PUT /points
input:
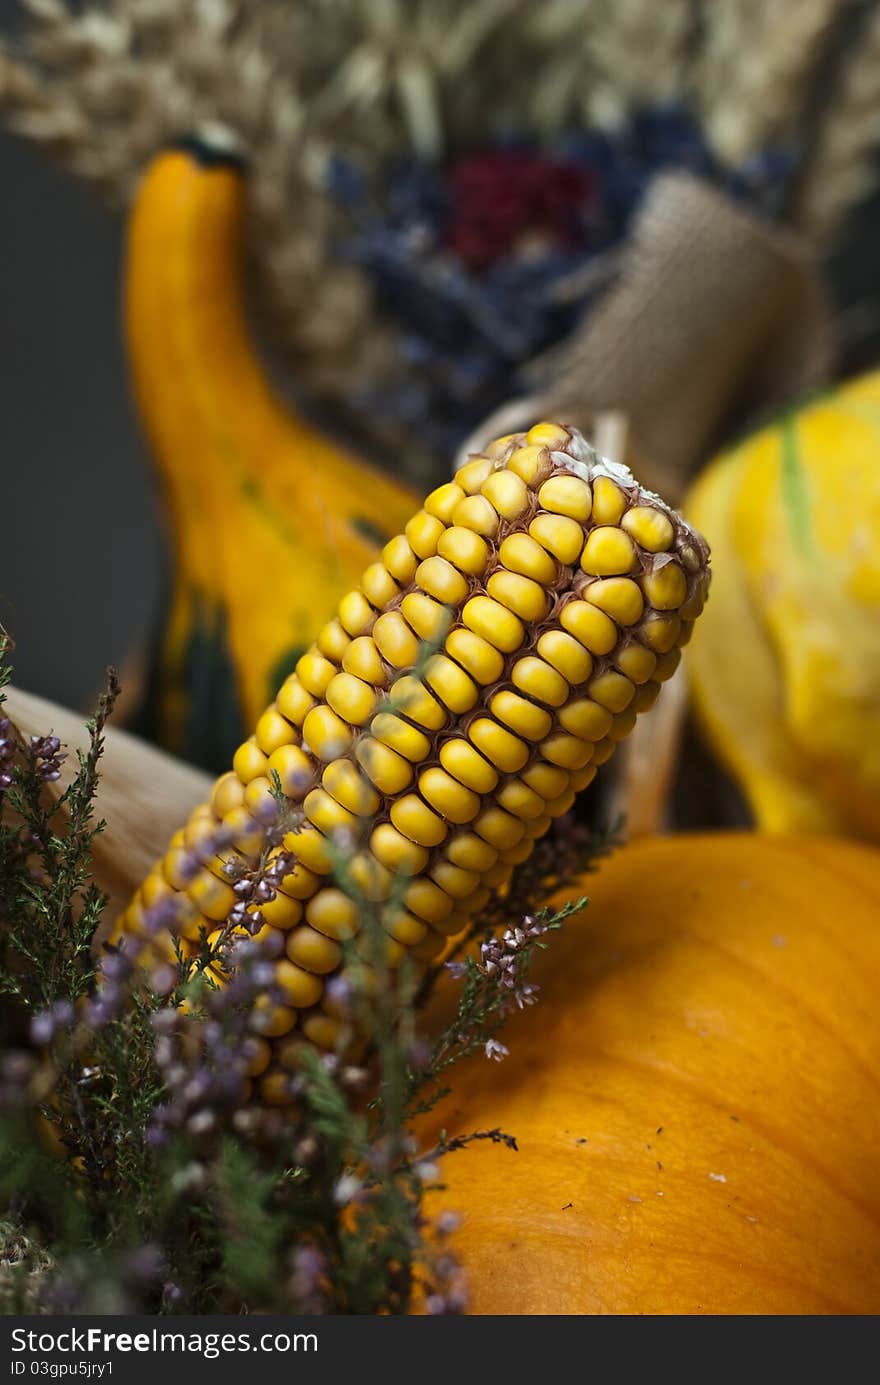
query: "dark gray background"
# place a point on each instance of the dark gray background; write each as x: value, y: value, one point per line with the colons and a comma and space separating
x: 80, y: 554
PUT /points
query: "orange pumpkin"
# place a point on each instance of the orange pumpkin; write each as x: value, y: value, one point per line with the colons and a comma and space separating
x: 696, y: 1098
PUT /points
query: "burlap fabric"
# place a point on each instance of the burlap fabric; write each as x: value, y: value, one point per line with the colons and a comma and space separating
x: 713, y: 319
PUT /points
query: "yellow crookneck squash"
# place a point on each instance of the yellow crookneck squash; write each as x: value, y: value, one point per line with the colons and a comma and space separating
x: 271, y: 523
x: 785, y: 664
x: 695, y: 1099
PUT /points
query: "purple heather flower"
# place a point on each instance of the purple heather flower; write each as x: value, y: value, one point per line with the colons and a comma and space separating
x: 497, y: 1051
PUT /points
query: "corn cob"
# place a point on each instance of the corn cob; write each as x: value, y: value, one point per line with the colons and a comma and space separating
x: 556, y: 595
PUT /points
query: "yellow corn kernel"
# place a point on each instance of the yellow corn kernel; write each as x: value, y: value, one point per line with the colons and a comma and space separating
x: 467, y: 765
x: 651, y: 528
x: 423, y: 533
x: 476, y: 513
x: 312, y: 848
x: 323, y: 1031
x: 666, y: 587
x: 427, y: 901
x: 404, y: 927
x: 451, y: 684
x: 531, y: 463
x: 412, y: 699
x: 602, y: 751
x: 637, y: 662
x: 249, y: 762
x: 646, y: 696
x: 581, y: 778
x: 569, y: 752
x: 395, y: 640
x: 623, y: 724
x: 363, y: 660
x: 517, y: 798
x: 386, y: 769
x: 521, y: 553
x: 353, y: 699
x: 200, y: 829
x: 300, y: 988
x: 521, y: 852
x: 356, y: 615
x: 558, y: 806
x: 429, y: 947
x: 227, y: 793
x: 412, y: 816
x: 258, y: 798
x: 567, y: 495
x: 378, y: 586
x: 540, y: 681
x: 561, y: 536
x: 282, y: 912
x: 315, y: 672
x: 612, y: 690
x: 498, y: 828
x: 609, y: 501
x: 465, y: 549
x: 494, y: 623
x: 299, y: 882
x: 272, y: 1020
x: 368, y: 875
x: 666, y: 665
x: 502, y: 446
x: 508, y: 753
x: 260, y: 1059
x: 400, y: 560
x: 327, y: 815
x: 608, y: 552
x: 440, y: 579
x: 593, y: 629
x: 519, y: 594
x: 502, y: 870
x: 470, y: 852
x: 547, y: 780
x: 551, y: 435
x: 507, y: 493
x: 333, y: 642
x: 567, y: 655
x: 448, y: 796
x: 430, y: 619
x: 294, y: 768
x: 333, y: 913
x: 399, y: 735
x: 457, y: 921
x: 660, y: 633
x: 325, y: 734
x: 442, y: 501
x: 313, y: 951
x: 473, y: 474
x: 454, y: 880
x: 481, y: 659
x: 211, y: 896
x: 520, y: 715
x: 294, y: 701
x: 248, y: 836
x: 392, y: 849
x: 379, y: 949
x: 618, y: 597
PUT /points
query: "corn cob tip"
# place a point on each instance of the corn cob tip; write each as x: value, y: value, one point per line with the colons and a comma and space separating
x: 461, y: 698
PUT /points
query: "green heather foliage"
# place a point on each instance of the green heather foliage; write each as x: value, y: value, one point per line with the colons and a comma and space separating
x: 136, y: 1171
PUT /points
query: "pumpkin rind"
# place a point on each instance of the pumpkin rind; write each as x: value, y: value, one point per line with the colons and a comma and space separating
x: 695, y: 1100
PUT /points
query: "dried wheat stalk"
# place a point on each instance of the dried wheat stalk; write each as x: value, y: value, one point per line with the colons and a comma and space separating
x: 757, y: 59
x: 842, y: 167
